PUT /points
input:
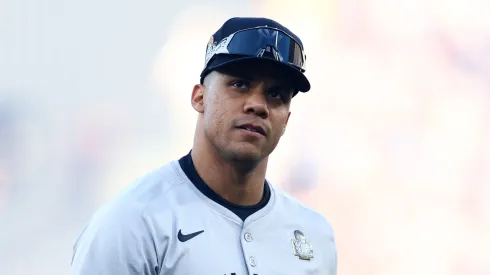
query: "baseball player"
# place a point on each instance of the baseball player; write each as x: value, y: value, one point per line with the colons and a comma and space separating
x: 212, y: 212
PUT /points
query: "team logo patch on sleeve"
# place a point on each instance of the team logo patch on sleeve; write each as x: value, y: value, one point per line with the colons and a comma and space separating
x: 301, y: 246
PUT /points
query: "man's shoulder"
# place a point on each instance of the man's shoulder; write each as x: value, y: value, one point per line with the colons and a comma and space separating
x: 135, y: 198
x: 153, y: 184
x: 299, y: 210
x: 123, y: 222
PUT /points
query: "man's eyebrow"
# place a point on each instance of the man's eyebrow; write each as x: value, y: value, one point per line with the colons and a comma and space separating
x: 275, y: 83
x: 282, y: 86
x: 240, y: 75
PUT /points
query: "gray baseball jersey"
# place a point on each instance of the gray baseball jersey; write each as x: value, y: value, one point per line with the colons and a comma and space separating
x: 162, y: 224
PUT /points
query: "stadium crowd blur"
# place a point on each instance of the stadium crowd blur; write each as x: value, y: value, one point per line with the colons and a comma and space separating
x: 392, y: 144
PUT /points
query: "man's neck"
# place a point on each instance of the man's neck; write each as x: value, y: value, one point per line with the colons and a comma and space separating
x: 236, y: 184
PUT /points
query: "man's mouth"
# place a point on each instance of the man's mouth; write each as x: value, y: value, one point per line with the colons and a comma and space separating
x: 253, y: 128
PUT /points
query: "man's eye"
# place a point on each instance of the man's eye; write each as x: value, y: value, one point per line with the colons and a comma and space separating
x: 280, y: 93
x: 275, y: 94
x: 240, y: 84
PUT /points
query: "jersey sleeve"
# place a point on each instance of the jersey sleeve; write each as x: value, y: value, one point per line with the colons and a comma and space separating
x: 115, y: 244
x: 331, y: 249
x: 333, y: 270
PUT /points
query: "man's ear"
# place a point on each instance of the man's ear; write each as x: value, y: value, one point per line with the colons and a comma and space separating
x: 197, y: 99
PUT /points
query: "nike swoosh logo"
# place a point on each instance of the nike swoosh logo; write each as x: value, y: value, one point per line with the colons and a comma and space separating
x: 185, y: 238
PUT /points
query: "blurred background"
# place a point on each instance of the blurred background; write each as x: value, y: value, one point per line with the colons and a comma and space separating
x: 392, y: 144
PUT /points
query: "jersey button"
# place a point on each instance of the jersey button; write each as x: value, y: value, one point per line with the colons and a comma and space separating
x: 248, y: 237
x: 252, y: 261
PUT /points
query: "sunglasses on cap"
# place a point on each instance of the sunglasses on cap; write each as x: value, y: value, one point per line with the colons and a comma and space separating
x: 260, y: 42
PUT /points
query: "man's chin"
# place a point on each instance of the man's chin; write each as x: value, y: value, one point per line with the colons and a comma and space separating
x: 247, y: 153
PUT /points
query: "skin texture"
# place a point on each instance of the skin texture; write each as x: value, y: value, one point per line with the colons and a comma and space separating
x: 230, y: 160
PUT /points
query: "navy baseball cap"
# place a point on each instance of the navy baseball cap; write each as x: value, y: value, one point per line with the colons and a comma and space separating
x: 262, y: 40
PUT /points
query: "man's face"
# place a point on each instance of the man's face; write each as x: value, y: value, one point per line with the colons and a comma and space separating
x: 245, y: 111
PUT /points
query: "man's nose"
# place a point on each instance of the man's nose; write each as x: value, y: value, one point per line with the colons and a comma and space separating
x: 257, y: 102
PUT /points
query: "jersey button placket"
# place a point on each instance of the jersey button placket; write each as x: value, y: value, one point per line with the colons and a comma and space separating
x: 252, y: 261
x: 248, y: 237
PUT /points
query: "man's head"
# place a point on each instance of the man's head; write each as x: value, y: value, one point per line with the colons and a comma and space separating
x: 244, y: 99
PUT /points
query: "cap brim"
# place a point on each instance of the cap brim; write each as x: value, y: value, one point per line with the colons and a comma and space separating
x: 297, y: 79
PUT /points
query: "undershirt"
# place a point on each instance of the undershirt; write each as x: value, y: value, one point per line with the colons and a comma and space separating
x: 241, y: 211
